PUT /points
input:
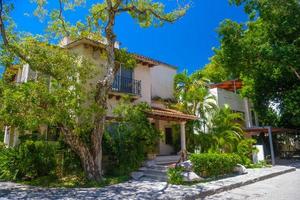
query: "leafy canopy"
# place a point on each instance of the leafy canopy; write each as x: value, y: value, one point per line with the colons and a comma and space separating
x: 265, y: 53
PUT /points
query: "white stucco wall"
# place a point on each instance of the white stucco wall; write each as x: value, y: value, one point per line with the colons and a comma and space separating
x: 162, y: 79
x: 236, y: 103
x: 142, y: 73
x: 230, y: 98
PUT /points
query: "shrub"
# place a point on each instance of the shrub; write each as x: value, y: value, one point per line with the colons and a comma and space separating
x: 29, y: 160
x: 68, y: 162
x: 174, y: 176
x: 214, y: 164
x: 127, y: 142
x: 2, y: 146
x: 245, y: 149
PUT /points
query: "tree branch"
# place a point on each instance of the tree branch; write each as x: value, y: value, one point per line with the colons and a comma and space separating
x: 295, y: 71
x: 6, y: 43
x: 60, y: 17
x: 2, y: 26
x: 133, y: 8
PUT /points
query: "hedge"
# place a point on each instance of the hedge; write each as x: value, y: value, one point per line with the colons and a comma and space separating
x: 214, y: 164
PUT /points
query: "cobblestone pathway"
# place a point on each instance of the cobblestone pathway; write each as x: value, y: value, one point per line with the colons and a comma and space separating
x: 136, y: 189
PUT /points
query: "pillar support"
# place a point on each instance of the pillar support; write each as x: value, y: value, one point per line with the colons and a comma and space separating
x: 16, y: 137
x: 7, y: 136
x: 183, y: 140
x: 248, y: 121
x: 271, y: 144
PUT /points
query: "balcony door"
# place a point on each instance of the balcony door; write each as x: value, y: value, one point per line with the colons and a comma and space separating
x: 124, y: 79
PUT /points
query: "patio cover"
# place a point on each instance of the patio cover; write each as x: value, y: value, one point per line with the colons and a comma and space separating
x: 231, y: 85
x: 170, y: 114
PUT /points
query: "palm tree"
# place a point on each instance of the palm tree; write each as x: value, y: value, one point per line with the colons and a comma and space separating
x: 193, y: 97
x: 226, y: 130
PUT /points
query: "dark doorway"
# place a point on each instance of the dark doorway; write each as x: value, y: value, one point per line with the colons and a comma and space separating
x: 169, y: 136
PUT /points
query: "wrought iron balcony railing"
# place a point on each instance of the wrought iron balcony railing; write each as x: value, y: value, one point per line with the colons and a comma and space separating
x: 127, y: 85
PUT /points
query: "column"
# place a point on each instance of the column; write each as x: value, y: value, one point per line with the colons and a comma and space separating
x: 247, y: 113
x: 271, y: 144
x: 7, y: 136
x: 182, y: 136
x: 16, y: 137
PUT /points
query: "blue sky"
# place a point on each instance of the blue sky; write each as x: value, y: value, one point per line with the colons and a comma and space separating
x: 187, y: 43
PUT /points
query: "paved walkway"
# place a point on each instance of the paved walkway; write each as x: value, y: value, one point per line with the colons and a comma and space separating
x: 140, y: 189
x: 284, y: 187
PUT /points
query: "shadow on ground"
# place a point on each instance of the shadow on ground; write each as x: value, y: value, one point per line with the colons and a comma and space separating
x: 289, y: 162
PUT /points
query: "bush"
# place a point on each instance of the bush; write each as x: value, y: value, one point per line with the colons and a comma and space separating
x: 68, y: 162
x: 29, y: 160
x: 2, y: 146
x: 245, y: 150
x: 214, y: 164
x: 127, y: 142
x: 174, y: 176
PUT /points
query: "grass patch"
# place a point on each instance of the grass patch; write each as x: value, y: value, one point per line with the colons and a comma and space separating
x: 72, y: 181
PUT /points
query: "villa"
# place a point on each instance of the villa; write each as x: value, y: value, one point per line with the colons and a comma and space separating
x: 151, y: 81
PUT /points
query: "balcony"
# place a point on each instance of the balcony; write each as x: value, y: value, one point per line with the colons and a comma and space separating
x: 126, y: 85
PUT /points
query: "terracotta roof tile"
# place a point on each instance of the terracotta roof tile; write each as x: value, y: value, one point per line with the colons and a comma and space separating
x: 170, y: 113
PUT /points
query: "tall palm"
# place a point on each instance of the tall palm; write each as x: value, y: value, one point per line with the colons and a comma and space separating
x: 193, y: 97
x: 226, y: 129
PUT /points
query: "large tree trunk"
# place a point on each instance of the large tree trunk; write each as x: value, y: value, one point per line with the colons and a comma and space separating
x: 92, y: 157
x: 103, y: 87
x: 88, y: 161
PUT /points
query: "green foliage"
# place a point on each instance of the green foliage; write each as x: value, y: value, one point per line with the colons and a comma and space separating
x: 145, y: 12
x: 175, y: 176
x: 260, y: 164
x: 62, y: 95
x: 214, y: 164
x: 214, y: 71
x: 217, y: 129
x: 29, y: 160
x: 129, y: 140
x: 226, y: 130
x: 264, y: 52
x: 67, y: 162
x: 193, y: 97
x: 245, y: 149
x: 2, y: 146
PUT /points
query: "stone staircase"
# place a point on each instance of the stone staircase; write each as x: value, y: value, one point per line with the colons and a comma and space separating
x: 155, y: 169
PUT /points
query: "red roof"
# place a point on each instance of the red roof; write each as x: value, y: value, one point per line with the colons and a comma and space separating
x: 170, y: 114
x: 230, y: 85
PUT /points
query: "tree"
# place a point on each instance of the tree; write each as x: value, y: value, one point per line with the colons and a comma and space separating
x: 64, y: 104
x: 225, y: 130
x: 193, y: 97
x: 264, y: 52
x: 217, y: 129
x: 214, y: 71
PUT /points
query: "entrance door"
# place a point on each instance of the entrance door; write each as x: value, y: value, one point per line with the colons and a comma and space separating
x: 166, y: 144
x: 168, y: 136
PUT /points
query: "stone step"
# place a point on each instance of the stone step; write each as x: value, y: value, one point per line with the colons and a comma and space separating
x: 155, y: 177
x: 165, y: 163
x: 144, y: 169
x: 154, y: 173
x: 172, y: 158
x: 157, y: 167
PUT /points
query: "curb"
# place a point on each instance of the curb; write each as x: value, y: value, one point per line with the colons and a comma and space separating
x: 240, y: 184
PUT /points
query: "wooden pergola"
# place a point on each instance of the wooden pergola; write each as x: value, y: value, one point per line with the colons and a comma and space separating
x: 175, y: 116
x: 267, y: 130
x: 231, y: 85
